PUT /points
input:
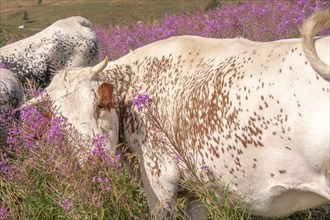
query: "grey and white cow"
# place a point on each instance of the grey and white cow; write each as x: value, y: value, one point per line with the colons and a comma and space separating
x: 11, y: 92
x: 256, y: 114
x: 69, y: 42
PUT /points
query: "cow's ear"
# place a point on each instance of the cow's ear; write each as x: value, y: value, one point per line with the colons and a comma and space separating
x: 34, y: 101
x: 106, y: 95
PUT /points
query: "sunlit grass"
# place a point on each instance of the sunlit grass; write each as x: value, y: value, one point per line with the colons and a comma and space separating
x: 99, y: 12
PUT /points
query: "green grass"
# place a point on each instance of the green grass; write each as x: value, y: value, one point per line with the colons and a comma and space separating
x: 101, y: 12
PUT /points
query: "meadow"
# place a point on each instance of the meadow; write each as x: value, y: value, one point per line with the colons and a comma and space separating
x: 101, y: 12
x: 41, y: 173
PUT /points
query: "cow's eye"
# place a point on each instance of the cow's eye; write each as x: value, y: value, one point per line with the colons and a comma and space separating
x: 100, y: 107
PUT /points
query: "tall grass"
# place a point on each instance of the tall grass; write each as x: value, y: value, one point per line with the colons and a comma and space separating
x: 42, y: 176
x: 41, y: 172
x: 255, y: 20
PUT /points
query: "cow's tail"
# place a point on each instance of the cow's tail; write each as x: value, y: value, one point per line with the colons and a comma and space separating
x: 313, y: 25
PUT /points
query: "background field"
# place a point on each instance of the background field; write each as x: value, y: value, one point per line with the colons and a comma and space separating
x: 101, y: 12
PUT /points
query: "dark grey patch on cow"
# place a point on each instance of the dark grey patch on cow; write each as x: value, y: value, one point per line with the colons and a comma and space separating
x: 282, y: 171
x: 11, y: 92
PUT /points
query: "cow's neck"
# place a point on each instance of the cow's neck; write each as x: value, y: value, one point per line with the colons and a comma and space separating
x: 120, y: 76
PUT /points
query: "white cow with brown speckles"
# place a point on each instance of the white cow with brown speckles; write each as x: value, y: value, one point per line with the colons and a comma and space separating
x: 255, y: 113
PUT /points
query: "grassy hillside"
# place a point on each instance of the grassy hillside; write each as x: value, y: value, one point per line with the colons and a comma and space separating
x: 101, y: 12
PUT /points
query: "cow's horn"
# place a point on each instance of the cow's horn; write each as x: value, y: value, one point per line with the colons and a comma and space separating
x: 31, y: 102
x: 99, y: 67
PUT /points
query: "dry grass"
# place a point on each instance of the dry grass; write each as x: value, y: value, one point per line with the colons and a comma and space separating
x: 101, y: 12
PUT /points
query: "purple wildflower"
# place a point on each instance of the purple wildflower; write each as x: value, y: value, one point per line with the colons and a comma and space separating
x: 101, y: 152
x: 103, y: 184
x: 142, y: 100
x: 34, y: 126
x: 13, y: 137
x: 99, y: 179
x: 177, y: 158
x: 251, y: 19
x: 2, y: 65
x: 4, y: 212
x: 94, y: 179
x: 7, y: 170
x: 301, y: 3
x: 98, y: 143
x: 55, y: 132
x: 205, y: 168
x: 65, y: 204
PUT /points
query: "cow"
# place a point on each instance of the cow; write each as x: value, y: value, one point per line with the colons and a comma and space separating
x: 254, y: 115
x: 11, y: 94
x: 69, y: 42
x: 11, y: 91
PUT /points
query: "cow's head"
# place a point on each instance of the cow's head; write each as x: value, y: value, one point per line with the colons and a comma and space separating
x: 87, y: 103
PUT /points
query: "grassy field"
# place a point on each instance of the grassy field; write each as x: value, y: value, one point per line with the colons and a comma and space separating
x: 101, y: 12
x: 41, y: 175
